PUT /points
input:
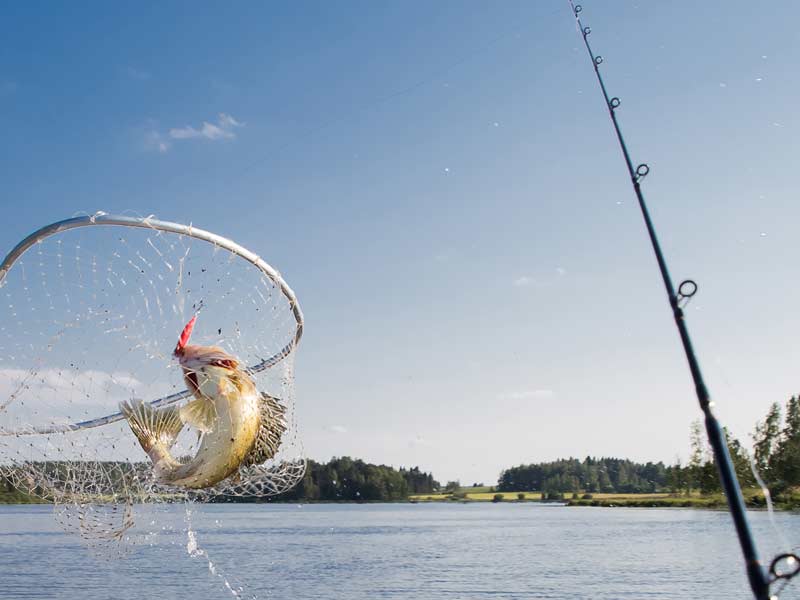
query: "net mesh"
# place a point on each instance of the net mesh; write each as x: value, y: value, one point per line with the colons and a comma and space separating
x: 89, y: 318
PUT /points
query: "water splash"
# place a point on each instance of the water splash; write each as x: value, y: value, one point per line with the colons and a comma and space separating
x: 194, y: 550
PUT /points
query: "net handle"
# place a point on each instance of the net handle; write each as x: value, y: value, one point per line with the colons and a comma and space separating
x: 150, y: 223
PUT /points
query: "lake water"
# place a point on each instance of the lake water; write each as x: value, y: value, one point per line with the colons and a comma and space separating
x: 349, y: 552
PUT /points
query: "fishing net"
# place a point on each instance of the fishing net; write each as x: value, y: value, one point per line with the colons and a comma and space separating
x: 89, y: 317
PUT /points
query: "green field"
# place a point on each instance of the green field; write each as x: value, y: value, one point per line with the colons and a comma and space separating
x: 753, y: 497
x: 474, y: 496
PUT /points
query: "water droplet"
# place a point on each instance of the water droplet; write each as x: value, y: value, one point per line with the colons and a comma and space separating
x: 446, y: 170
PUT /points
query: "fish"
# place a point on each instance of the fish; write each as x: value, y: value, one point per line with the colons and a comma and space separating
x: 238, y: 426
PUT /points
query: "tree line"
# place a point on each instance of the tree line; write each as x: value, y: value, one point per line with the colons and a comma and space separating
x: 607, y: 475
x: 775, y: 454
x: 339, y: 480
x: 346, y: 479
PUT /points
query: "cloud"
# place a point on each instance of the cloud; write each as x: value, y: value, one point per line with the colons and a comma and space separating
x: 420, y: 441
x: 337, y: 428
x: 223, y: 129
x: 536, y: 394
x: 443, y: 256
x: 524, y: 281
x: 546, y: 279
x: 155, y: 141
x: 52, y: 395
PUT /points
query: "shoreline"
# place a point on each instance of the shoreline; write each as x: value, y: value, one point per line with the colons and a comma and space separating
x: 754, y: 499
x: 694, y: 504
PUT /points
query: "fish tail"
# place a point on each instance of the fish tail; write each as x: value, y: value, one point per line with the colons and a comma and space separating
x: 156, y: 429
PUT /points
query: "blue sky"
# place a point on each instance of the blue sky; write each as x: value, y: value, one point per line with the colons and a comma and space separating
x: 440, y: 185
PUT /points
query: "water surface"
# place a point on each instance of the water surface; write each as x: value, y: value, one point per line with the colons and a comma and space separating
x: 348, y: 552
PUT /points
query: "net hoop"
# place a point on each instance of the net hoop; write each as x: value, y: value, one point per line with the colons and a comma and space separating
x: 104, y: 219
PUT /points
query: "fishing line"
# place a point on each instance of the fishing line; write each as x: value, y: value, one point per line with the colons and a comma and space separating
x: 731, y: 392
x: 770, y: 507
x: 785, y: 566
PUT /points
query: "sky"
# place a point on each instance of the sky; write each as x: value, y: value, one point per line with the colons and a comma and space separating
x: 441, y: 186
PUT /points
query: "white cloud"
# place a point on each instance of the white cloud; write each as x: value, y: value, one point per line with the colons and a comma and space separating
x: 545, y: 280
x: 52, y: 395
x: 223, y: 129
x: 337, y: 428
x: 443, y: 256
x: 536, y: 394
x: 524, y: 281
x: 420, y: 441
x: 155, y: 141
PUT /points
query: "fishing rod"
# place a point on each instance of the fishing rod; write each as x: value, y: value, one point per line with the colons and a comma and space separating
x: 784, y: 566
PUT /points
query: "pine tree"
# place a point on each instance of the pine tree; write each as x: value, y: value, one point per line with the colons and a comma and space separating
x: 695, y: 466
x: 741, y: 461
x: 785, y: 462
x: 765, y: 441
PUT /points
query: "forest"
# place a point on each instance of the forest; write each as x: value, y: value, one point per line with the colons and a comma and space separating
x: 352, y: 480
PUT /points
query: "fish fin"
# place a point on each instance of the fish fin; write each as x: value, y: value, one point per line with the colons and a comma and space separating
x: 150, y: 425
x: 272, y: 417
x: 200, y: 414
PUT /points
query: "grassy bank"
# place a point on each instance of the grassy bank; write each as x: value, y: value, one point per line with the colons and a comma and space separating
x: 754, y: 498
x: 468, y: 495
x: 17, y: 497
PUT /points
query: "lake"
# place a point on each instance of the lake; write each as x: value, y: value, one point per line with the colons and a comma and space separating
x: 414, y: 551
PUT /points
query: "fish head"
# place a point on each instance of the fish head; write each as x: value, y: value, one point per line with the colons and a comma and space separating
x: 208, y: 369
x: 194, y: 358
